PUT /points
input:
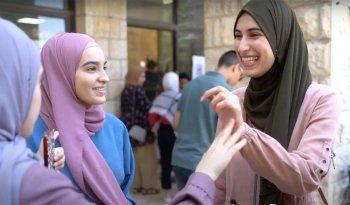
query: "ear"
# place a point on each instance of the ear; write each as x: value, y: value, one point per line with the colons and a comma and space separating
x: 235, y: 67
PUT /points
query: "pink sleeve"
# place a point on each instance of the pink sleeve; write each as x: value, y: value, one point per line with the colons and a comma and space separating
x: 299, y: 171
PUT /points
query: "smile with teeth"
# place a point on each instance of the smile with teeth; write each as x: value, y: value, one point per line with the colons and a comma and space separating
x: 99, y: 89
x: 249, y: 60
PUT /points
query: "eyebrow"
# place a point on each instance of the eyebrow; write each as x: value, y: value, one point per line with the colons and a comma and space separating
x: 251, y: 29
x: 93, y: 62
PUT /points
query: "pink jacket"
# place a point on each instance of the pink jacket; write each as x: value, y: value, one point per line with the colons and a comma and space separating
x: 297, y: 172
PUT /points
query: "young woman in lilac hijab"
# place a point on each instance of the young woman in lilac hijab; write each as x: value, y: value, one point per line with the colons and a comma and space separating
x: 24, y: 179
x: 99, y: 157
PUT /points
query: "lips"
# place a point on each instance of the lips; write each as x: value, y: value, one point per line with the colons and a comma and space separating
x: 101, y: 91
x: 250, y: 61
x: 99, y: 88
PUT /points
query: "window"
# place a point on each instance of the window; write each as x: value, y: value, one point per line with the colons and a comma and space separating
x: 179, y: 27
x: 39, y: 19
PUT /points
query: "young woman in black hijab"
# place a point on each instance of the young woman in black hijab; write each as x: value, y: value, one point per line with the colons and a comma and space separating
x: 289, y: 122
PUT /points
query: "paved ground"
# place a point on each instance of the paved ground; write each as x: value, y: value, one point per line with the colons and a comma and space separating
x: 156, y: 199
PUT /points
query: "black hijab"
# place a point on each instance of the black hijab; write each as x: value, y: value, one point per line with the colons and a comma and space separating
x: 273, y: 101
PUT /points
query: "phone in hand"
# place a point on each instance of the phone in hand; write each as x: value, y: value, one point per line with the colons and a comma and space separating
x: 49, y: 148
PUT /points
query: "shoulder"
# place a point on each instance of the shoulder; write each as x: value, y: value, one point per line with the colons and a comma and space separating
x: 318, y: 93
x: 316, y: 89
x: 112, y: 120
x: 321, y: 101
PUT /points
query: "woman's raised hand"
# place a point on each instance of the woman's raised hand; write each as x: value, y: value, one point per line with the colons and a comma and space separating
x: 225, y: 145
x: 228, y: 139
x: 227, y: 105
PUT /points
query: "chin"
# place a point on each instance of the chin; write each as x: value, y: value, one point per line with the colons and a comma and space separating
x: 99, y: 101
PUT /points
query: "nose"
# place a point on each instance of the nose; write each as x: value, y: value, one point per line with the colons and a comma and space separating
x: 242, y: 45
x: 104, y: 77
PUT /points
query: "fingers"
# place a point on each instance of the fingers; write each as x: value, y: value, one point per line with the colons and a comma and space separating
x: 241, y: 144
x: 223, y: 134
x: 237, y: 135
x: 238, y: 146
x: 59, y: 158
x: 55, y: 134
x: 209, y: 94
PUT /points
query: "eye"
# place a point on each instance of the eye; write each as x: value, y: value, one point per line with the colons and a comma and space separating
x: 237, y: 35
x: 90, y: 69
x: 256, y: 34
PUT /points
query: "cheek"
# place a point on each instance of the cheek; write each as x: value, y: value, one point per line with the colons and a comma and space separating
x: 81, y: 84
x: 266, y: 48
x: 235, y: 45
x: 270, y: 58
x: 80, y: 90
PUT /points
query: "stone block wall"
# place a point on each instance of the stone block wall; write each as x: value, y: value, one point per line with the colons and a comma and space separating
x: 340, y: 80
x: 326, y: 28
x: 105, y: 21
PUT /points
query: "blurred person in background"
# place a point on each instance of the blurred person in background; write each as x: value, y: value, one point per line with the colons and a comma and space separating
x: 195, y: 121
x: 184, y: 79
x: 134, y: 110
x: 161, y: 115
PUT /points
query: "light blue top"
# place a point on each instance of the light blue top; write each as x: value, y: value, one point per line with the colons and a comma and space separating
x: 112, y: 140
x: 197, y: 124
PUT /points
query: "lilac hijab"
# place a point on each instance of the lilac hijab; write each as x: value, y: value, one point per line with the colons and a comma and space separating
x: 19, y: 69
x: 77, y: 122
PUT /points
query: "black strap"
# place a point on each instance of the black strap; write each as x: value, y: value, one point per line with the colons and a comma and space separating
x: 323, y: 197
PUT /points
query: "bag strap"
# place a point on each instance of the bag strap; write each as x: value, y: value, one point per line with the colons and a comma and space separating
x: 323, y: 197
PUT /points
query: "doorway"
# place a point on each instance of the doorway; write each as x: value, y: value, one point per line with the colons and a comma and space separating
x: 157, y: 45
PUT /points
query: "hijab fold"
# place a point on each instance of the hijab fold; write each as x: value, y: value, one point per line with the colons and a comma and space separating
x: 77, y: 122
x: 273, y: 101
x: 19, y: 69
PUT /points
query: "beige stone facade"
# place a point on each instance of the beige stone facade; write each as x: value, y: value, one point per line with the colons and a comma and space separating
x: 326, y: 28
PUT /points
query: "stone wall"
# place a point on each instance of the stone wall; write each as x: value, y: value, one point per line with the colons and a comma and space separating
x: 340, y: 80
x: 326, y: 28
x: 105, y: 21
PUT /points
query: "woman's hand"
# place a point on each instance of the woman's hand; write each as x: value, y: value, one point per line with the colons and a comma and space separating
x: 228, y: 139
x: 221, y: 151
x: 59, y: 158
x: 227, y: 105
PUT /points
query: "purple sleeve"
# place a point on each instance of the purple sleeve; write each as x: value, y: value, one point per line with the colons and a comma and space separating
x: 42, y: 186
x: 200, y: 189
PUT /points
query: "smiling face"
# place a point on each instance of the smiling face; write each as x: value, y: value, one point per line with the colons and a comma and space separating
x: 91, y: 78
x: 253, y: 49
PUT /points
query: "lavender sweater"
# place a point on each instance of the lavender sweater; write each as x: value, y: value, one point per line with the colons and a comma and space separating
x: 54, y: 188
x: 199, y: 189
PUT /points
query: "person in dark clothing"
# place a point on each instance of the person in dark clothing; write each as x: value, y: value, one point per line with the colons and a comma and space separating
x: 184, y: 79
x: 152, y: 85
